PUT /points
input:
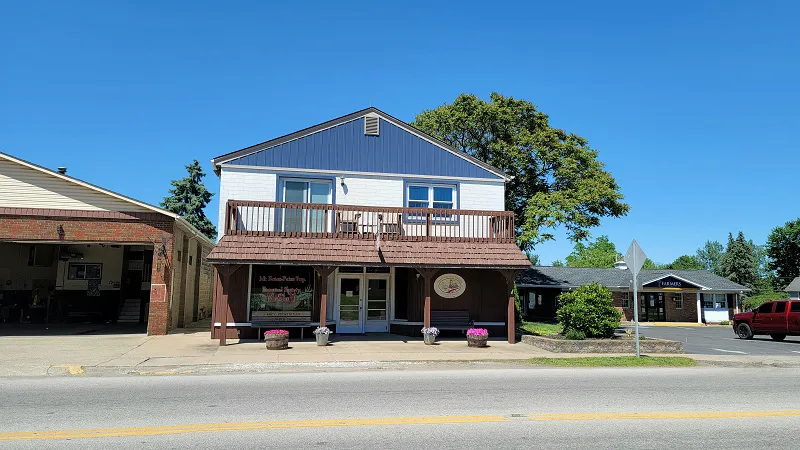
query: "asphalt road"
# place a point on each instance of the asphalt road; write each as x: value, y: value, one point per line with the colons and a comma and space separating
x: 715, y: 340
x: 485, y: 408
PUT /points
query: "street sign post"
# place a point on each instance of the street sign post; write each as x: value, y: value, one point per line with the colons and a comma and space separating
x: 634, y: 259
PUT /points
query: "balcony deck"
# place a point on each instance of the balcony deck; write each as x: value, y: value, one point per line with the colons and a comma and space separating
x: 306, y: 220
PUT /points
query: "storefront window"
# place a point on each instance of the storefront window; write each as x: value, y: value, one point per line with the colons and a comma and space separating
x: 714, y: 301
x: 281, y: 293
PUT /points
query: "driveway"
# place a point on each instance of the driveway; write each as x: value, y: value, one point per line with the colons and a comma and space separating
x: 721, y: 340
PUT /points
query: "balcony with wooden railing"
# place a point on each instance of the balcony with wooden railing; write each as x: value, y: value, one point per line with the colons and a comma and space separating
x: 256, y: 218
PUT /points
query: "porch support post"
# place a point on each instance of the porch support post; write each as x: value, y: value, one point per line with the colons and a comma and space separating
x: 511, y: 275
x: 324, y: 272
x: 225, y: 272
x: 427, y: 274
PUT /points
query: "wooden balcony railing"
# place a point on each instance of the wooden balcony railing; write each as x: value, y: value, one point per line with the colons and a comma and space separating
x: 255, y: 218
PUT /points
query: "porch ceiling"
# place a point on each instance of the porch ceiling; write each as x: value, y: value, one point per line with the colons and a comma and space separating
x: 306, y: 251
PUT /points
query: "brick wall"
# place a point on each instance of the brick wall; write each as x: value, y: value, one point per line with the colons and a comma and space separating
x: 102, y: 226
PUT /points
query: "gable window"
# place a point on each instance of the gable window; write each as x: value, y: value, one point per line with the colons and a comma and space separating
x: 625, y: 300
x: 81, y: 271
x: 438, y: 196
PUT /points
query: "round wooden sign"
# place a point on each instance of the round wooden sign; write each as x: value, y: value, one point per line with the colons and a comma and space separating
x: 449, y: 285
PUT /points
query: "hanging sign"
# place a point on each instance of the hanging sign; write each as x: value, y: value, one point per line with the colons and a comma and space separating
x: 449, y: 285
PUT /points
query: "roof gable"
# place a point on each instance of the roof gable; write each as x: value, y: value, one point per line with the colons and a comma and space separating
x: 342, y: 145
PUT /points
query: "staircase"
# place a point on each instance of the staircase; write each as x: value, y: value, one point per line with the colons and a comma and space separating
x: 130, y: 311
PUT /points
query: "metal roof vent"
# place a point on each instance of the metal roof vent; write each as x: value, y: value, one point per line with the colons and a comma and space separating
x: 371, y: 125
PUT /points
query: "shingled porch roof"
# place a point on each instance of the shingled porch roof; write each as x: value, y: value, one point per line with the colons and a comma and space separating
x: 237, y: 249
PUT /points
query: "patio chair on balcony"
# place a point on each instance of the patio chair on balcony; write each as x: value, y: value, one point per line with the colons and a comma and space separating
x: 391, y: 223
x: 347, y: 222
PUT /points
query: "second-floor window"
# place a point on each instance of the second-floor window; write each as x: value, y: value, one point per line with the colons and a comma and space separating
x: 439, y: 196
x: 298, y: 190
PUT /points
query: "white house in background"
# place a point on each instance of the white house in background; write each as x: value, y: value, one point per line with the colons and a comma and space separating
x: 794, y: 289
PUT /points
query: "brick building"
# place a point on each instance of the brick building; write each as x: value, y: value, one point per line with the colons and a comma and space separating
x: 664, y: 295
x: 74, y: 252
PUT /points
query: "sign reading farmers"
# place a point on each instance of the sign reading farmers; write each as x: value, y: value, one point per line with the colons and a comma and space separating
x: 281, y: 294
x: 671, y: 283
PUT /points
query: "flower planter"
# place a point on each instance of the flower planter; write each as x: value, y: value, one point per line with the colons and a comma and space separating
x: 430, y: 339
x: 276, y: 341
x: 322, y: 339
x: 476, y: 341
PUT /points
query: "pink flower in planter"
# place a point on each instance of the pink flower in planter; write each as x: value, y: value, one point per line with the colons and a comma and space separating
x: 478, y: 332
x: 270, y: 332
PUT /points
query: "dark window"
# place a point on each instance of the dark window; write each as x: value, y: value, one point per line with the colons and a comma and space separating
x: 382, y: 269
x: 41, y: 255
x: 350, y: 269
x: 765, y: 308
x: 795, y: 307
x: 780, y: 307
x: 82, y: 271
x: 179, y: 256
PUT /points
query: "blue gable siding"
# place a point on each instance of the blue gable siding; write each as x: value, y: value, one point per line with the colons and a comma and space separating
x: 345, y: 147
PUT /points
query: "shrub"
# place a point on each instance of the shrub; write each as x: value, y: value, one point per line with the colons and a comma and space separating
x: 725, y: 322
x: 575, y: 335
x: 589, y: 309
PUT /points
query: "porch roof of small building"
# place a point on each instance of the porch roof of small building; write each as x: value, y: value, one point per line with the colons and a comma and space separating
x: 572, y: 277
x: 237, y: 249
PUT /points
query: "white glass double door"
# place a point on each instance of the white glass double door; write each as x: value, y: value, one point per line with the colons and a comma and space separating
x: 363, y: 302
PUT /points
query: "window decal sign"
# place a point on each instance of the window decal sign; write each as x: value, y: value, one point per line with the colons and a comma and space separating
x: 449, y: 285
x: 281, y: 293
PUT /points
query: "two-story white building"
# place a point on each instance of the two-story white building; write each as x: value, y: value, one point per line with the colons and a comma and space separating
x: 364, y: 224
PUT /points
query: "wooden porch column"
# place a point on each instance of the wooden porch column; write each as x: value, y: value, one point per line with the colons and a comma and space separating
x: 225, y: 272
x: 324, y: 272
x: 511, y: 275
x: 427, y: 274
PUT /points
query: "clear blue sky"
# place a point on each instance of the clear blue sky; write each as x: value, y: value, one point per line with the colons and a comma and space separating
x: 693, y: 105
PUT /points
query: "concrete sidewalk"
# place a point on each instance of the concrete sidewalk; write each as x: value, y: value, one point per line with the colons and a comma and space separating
x: 43, y: 355
x: 138, y: 353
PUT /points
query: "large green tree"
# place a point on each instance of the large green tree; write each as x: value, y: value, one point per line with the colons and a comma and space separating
x: 740, y: 263
x: 599, y: 253
x: 783, y: 249
x: 189, y: 197
x: 686, y: 262
x: 710, y: 256
x: 557, y: 179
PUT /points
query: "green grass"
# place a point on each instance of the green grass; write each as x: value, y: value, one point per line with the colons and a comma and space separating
x: 541, y: 328
x: 616, y: 361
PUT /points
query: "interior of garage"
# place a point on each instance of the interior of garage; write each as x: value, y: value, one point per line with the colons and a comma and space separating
x: 60, y: 283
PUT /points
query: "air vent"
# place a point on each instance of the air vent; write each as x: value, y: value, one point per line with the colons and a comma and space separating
x: 371, y: 125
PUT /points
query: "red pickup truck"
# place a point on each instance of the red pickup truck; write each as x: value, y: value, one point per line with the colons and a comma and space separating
x: 778, y: 319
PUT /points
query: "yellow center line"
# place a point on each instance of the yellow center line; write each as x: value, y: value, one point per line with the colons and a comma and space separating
x: 379, y: 421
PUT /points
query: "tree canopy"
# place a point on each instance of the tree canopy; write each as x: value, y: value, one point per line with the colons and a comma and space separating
x: 686, y: 262
x: 783, y: 249
x: 189, y: 197
x: 557, y: 179
x: 740, y: 263
x: 599, y: 253
x: 710, y: 256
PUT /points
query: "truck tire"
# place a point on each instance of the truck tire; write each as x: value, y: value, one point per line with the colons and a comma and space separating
x: 743, y: 331
x: 778, y: 337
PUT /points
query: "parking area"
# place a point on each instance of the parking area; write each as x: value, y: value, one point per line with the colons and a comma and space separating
x: 721, y: 340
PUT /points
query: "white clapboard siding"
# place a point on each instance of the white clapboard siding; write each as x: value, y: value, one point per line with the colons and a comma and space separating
x: 23, y: 187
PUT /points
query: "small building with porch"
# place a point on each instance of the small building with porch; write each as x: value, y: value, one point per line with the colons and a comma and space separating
x: 363, y: 224
x: 664, y: 295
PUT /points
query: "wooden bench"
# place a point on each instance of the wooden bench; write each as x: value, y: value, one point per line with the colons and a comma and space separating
x: 451, y: 320
x: 280, y: 326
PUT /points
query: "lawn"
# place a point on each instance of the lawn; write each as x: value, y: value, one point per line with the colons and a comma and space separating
x: 541, y: 328
x: 616, y: 361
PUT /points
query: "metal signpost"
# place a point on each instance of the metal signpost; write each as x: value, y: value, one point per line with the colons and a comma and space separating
x: 634, y: 259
